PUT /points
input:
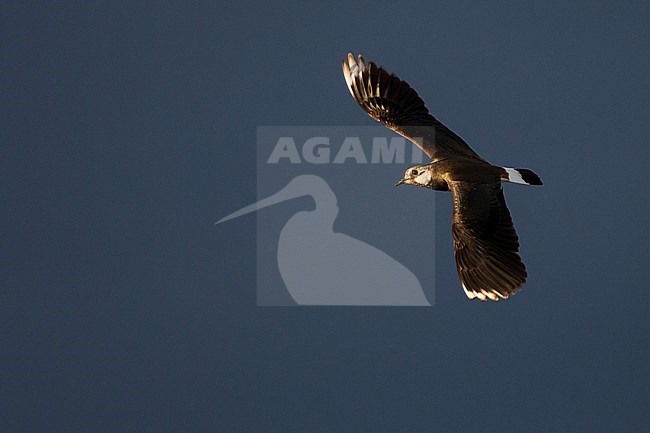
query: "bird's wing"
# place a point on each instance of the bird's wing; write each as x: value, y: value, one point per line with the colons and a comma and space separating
x: 485, y: 242
x: 394, y: 103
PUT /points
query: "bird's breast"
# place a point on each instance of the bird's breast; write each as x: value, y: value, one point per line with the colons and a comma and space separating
x: 438, y: 183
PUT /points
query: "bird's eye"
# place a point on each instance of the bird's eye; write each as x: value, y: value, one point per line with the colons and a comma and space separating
x: 414, y: 172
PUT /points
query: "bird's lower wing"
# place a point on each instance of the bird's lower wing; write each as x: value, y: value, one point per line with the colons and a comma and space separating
x: 486, y: 245
x: 394, y: 103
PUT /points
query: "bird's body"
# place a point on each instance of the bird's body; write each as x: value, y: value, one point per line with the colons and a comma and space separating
x: 486, y: 245
x: 439, y: 173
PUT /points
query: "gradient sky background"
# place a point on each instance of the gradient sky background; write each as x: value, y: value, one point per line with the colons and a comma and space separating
x: 129, y: 128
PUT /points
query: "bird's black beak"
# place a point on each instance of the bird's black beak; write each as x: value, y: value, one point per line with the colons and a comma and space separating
x: 401, y: 182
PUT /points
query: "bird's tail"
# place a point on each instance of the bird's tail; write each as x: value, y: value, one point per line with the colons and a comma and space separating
x: 520, y: 175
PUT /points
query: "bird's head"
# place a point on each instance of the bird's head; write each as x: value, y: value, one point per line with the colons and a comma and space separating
x: 419, y: 175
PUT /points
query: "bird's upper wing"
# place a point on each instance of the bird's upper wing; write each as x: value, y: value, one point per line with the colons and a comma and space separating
x: 394, y: 103
x: 485, y: 242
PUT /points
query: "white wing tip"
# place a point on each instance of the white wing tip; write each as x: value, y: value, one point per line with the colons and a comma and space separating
x: 361, y: 62
x: 485, y: 294
x: 355, y: 65
x: 469, y: 294
x: 351, y: 69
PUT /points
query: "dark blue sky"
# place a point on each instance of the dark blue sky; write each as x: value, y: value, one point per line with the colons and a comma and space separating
x: 129, y: 128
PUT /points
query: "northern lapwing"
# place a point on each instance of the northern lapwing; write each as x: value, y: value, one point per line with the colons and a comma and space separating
x: 486, y: 245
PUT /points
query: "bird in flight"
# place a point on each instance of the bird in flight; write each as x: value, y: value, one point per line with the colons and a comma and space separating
x: 486, y: 246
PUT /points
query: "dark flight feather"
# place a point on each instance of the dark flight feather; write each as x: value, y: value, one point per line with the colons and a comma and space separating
x: 486, y: 245
x: 394, y: 103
